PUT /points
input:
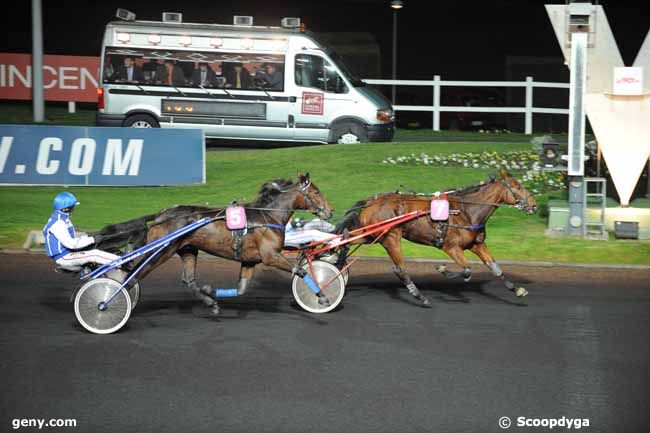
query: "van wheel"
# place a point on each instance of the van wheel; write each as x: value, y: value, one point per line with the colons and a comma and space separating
x: 141, y: 121
x: 350, y: 133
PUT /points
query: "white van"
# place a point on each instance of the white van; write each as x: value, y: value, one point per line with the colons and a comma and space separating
x: 235, y: 81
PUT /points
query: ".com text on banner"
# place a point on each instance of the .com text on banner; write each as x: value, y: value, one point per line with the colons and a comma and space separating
x: 71, y: 155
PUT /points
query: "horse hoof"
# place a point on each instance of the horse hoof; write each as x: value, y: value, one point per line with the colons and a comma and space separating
x: 467, y: 279
x: 442, y: 269
x: 215, y: 310
x: 426, y: 303
x: 521, y: 292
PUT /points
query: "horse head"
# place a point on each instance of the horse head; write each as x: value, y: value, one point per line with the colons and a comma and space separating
x: 515, y: 194
x: 311, y: 198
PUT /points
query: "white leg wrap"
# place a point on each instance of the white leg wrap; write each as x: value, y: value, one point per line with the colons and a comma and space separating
x: 495, y: 268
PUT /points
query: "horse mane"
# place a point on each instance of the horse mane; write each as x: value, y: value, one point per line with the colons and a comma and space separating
x: 270, y: 190
x: 472, y: 188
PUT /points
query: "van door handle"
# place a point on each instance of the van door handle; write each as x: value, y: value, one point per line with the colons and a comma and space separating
x: 292, y: 99
x: 292, y: 121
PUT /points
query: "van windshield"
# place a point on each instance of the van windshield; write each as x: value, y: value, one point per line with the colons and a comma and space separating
x: 338, y: 61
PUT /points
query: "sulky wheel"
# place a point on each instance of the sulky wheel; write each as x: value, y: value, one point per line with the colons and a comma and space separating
x: 323, y: 272
x: 332, y: 259
x: 93, y: 315
x: 134, y: 288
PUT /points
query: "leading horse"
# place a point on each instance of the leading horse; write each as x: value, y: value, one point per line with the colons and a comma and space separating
x: 470, y: 209
x: 261, y: 242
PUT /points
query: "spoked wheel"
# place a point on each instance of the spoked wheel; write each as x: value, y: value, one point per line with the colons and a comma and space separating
x: 323, y: 272
x: 93, y: 314
x: 134, y: 290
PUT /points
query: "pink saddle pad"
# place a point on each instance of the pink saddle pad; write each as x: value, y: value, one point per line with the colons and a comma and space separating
x: 440, y: 209
x: 235, y: 218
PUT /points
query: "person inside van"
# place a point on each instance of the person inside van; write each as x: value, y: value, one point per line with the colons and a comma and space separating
x: 159, y: 72
x: 238, y: 77
x: 204, y: 76
x: 173, y: 74
x: 129, y: 72
x: 270, y: 76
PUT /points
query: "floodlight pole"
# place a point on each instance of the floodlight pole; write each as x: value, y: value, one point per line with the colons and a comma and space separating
x: 396, y: 5
x: 394, y: 54
x: 38, y: 104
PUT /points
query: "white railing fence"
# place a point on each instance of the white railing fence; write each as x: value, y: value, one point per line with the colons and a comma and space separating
x: 528, y: 110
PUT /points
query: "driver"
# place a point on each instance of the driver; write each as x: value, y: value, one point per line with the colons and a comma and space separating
x: 61, y: 243
x: 298, y: 234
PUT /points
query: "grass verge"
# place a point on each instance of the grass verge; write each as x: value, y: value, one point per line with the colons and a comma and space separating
x: 345, y: 174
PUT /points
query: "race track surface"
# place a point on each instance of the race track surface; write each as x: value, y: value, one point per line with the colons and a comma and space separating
x: 578, y: 346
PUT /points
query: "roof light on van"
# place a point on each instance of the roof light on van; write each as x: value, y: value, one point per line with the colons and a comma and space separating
x: 290, y: 23
x: 216, y: 42
x: 240, y: 20
x: 123, y: 37
x: 185, y: 40
x: 247, y: 43
x: 154, y: 39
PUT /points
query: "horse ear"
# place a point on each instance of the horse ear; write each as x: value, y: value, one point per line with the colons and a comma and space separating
x: 504, y: 174
x: 303, y: 178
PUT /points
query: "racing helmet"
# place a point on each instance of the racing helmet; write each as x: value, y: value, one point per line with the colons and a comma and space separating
x: 64, y: 200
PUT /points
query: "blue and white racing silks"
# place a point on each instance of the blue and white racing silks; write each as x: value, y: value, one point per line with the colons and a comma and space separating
x: 53, y: 246
x: 60, y: 236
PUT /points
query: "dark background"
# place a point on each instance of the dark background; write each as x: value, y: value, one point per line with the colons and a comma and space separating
x: 461, y: 40
x: 457, y: 40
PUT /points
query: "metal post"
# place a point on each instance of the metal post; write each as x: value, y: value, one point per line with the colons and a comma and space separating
x: 647, y: 188
x: 436, y: 103
x: 38, y: 105
x: 72, y: 107
x: 394, y: 53
x: 576, y: 164
x: 529, y: 105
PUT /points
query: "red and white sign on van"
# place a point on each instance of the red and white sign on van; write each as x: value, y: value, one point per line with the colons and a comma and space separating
x: 628, y: 81
x: 65, y: 78
x: 312, y: 103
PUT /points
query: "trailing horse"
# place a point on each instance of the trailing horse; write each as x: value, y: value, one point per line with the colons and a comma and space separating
x: 260, y: 242
x: 470, y: 209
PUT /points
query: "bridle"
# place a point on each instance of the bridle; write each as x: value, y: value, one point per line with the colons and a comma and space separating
x: 521, y: 203
x: 319, y: 210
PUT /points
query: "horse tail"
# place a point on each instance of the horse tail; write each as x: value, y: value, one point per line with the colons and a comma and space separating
x: 351, y: 219
x: 121, y: 235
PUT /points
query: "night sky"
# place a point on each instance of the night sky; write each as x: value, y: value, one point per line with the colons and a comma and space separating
x: 458, y: 40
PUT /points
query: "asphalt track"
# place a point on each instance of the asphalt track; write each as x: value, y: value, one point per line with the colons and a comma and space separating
x: 578, y: 346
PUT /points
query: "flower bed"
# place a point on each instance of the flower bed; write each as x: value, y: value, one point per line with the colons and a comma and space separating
x: 534, y: 178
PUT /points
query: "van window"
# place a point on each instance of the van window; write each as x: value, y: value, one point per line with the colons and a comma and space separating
x: 245, y: 71
x: 316, y: 72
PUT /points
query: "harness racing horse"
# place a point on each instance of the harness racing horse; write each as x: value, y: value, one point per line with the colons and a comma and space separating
x: 470, y: 209
x: 260, y: 242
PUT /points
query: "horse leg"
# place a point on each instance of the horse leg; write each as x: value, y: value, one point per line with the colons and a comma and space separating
x: 277, y: 260
x: 481, y: 250
x: 456, y: 253
x: 393, y: 246
x: 188, y: 277
x: 245, y: 277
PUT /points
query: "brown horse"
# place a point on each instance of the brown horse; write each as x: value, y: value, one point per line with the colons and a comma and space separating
x: 470, y: 209
x: 261, y: 242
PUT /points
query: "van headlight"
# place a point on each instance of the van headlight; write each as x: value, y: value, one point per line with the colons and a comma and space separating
x: 385, y: 115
